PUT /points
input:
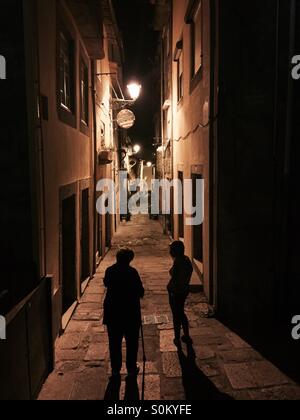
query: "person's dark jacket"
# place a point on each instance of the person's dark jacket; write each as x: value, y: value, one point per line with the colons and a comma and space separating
x: 181, y: 274
x: 122, y: 304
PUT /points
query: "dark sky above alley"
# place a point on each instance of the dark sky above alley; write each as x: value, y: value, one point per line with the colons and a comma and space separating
x: 135, y: 18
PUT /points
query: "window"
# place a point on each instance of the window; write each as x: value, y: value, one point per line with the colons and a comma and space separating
x: 114, y: 53
x: 66, y: 72
x: 194, y: 18
x: 197, y: 40
x: 180, y: 77
x: 84, y: 93
x: 178, y: 57
x: 103, y: 134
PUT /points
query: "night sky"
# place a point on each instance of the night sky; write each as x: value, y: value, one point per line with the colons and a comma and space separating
x: 135, y: 19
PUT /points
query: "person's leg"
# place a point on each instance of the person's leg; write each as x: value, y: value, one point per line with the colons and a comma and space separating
x: 115, y: 335
x: 176, y: 316
x: 132, y: 335
x: 184, y: 319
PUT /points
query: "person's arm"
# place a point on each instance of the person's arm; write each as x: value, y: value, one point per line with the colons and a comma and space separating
x: 174, y: 278
x: 187, y: 272
x: 191, y: 270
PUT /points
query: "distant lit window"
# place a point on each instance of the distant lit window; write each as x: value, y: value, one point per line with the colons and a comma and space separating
x: 84, y: 84
x: 66, y: 73
x: 196, y: 41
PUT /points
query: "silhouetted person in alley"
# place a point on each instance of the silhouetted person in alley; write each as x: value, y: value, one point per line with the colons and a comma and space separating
x: 122, y: 312
x: 179, y: 287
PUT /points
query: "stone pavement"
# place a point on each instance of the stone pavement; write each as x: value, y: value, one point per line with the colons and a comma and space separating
x: 222, y: 365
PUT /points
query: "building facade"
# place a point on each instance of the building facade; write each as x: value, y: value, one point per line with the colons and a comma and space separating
x: 185, y: 113
x: 257, y: 279
x: 64, y: 142
x: 78, y: 125
x: 232, y: 121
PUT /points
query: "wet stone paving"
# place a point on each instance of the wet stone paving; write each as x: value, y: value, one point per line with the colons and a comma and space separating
x: 220, y: 365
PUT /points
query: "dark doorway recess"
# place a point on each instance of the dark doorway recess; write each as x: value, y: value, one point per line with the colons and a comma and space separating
x: 180, y: 199
x: 197, y: 229
x: 85, y: 236
x: 108, y: 224
x: 99, y: 237
x: 69, y: 292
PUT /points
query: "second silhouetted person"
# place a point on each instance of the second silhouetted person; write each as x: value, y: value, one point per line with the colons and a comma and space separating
x: 122, y: 311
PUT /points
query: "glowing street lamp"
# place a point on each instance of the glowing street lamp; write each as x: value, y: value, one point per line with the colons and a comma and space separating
x: 137, y: 148
x: 149, y: 164
x: 134, y: 90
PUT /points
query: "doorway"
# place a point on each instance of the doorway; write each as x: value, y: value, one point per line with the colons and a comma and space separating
x: 197, y: 229
x: 68, y: 253
x: 108, y: 226
x: 180, y: 199
x: 85, y: 236
x: 99, y: 238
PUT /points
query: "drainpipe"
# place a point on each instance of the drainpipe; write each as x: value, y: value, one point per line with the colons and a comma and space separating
x: 93, y: 91
x: 172, y: 115
x: 162, y: 117
x: 212, y: 160
x: 290, y: 91
x: 287, y: 157
x: 38, y: 162
x: 277, y: 239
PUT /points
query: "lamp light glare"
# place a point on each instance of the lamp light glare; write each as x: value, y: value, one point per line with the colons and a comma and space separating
x: 137, y: 148
x: 134, y: 90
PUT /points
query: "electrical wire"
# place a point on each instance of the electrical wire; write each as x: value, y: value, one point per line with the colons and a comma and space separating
x: 198, y: 126
x: 103, y: 107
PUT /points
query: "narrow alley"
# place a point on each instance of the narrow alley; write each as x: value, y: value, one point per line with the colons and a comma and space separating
x: 225, y: 366
x: 140, y: 123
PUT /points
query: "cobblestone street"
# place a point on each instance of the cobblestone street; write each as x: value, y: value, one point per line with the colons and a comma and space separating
x: 225, y: 365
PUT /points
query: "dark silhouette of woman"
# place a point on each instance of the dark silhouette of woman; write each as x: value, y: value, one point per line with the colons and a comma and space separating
x: 122, y: 311
x: 178, y: 288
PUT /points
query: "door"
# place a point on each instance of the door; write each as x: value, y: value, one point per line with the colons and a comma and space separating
x: 181, y: 200
x: 197, y: 229
x: 107, y: 228
x: 69, y: 290
x: 99, y: 237
x: 85, y: 236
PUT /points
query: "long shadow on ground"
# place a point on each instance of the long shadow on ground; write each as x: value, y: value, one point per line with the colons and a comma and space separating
x: 113, y: 389
x: 196, y: 385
